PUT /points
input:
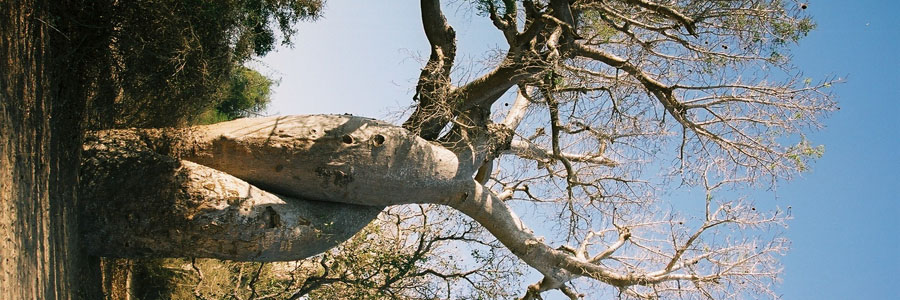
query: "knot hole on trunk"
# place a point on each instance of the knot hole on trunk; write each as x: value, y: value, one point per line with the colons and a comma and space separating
x: 378, y: 140
x: 273, y: 218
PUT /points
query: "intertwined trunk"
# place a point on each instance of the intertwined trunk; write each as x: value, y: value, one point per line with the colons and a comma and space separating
x: 141, y: 203
x: 316, y: 180
x: 159, y: 193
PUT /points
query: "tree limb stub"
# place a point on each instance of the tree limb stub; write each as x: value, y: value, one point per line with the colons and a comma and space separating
x: 434, y: 80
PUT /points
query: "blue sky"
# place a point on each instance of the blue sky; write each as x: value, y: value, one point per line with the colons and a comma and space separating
x: 363, y: 58
x: 846, y: 232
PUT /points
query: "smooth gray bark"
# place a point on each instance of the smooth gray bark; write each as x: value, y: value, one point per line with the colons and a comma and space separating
x: 332, y: 158
x: 140, y: 203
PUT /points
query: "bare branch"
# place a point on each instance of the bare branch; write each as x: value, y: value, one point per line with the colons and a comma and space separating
x: 434, y: 81
x: 688, y: 23
x: 518, y: 110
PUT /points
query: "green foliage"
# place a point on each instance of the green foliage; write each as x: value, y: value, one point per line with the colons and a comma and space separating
x: 246, y: 94
x: 791, y: 32
x: 261, y: 16
x: 593, y: 25
x: 802, y: 153
x: 483, y: 7
x: 167, y: 59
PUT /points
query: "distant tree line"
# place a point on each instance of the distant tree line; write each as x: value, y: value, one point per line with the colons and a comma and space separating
x: 173, y: 63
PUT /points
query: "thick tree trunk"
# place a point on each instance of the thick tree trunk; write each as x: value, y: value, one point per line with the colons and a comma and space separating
x: 40, y: 115
x: 333, y: 174
x: 140, y: 203
x: 332, y: 158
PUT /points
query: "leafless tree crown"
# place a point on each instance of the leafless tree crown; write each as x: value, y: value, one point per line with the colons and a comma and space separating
x: 607, y: 92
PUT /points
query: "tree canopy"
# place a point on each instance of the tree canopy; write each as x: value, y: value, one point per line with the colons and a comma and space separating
x: 610, y: 95
x: 161, y: 63
x: 245, y: 94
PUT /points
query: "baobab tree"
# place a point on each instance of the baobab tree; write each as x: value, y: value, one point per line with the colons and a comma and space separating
x: 605, y: 94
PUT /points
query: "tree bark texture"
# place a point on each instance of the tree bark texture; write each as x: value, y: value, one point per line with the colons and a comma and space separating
x: 40, y: 117
x: 332, y: 158
x: 140, y: 203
